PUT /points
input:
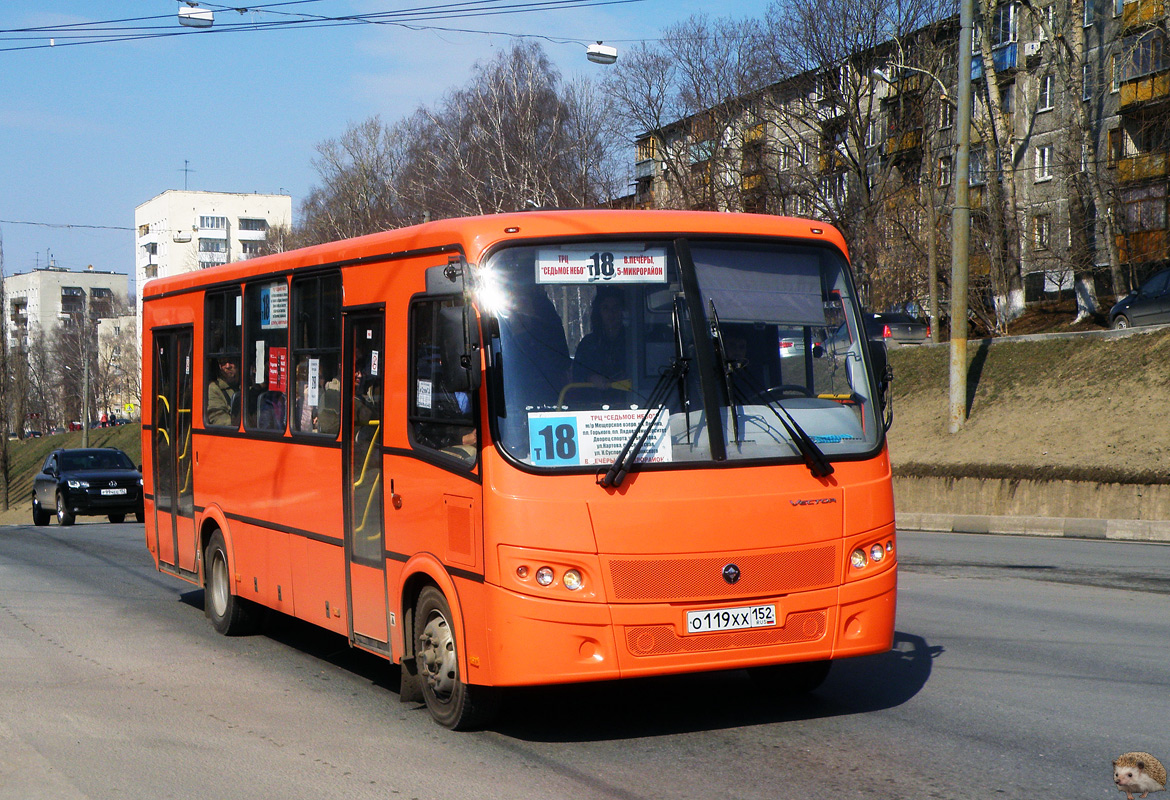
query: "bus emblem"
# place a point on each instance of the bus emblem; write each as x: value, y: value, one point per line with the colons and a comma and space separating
x: 731, y: 573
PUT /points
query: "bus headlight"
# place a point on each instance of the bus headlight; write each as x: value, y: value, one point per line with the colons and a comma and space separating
x: 877, y: 553
x: 572, y: 580
x: 857, y: 559
x: 544, y: 576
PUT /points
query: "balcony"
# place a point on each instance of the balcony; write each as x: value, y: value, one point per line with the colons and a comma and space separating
x: 1141, y: 14
x: 1142, y: 167
x: 1143, y: 246
x: 901, y: 142
x: 1145, y: 90
x: 754, y: 134
x: 752, y: 183
x: 909, y: 83
x: 212, y: 259
x: 832, y: 162
x: 645, y: 169
x: 1002, y: 57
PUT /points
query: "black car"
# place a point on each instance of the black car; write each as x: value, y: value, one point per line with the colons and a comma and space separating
x: 1149, y: 305
x: 896, y: 330
x: 93, y: 481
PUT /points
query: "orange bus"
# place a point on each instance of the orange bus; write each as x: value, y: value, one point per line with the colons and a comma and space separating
x: 531, y: 449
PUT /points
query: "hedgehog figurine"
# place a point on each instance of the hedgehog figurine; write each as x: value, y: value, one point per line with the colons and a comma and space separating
x: 1138, y: 773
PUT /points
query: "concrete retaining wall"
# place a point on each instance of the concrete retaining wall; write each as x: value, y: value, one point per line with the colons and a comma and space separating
x: 1034, y: 507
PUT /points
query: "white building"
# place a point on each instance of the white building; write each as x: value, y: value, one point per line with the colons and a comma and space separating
x: 182, y: 231
x: 39, y: 300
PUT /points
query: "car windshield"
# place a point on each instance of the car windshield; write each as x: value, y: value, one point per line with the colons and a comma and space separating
x: 83, y: 460
x: 706, y: 345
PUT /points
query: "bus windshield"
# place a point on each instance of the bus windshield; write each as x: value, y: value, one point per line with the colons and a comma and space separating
x: 681, y: 351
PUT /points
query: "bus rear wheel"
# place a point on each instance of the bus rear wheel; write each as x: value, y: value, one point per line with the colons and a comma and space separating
x: 453, y: 703
x: 230, y: 614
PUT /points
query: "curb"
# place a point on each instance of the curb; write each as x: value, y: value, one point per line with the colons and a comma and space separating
x: 1135, y: 530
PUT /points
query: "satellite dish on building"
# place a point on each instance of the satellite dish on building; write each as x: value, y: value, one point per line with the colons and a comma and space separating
x: 601, y: 53
x: 195, y: 17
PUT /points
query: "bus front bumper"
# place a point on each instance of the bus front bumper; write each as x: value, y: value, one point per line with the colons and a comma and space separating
x: 538, y: 641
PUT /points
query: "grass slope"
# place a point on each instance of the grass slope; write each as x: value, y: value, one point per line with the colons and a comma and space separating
x: 1076, y: 409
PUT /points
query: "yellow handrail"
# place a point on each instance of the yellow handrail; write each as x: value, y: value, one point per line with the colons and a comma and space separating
x: 369, y: 503
x: 377, y: 423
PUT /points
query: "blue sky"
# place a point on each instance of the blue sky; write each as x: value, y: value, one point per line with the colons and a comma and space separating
x: 89, y: 132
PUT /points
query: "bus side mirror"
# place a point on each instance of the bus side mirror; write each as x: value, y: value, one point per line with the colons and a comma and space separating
x: 884, y: 373
x: 459, y: 345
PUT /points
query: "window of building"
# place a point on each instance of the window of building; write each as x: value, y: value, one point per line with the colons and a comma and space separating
x: 441, y: 420
x: 265, y: 379
x: 213, y: 223
x: 222, y: 314
x: 252, y: 248
x: 72, y: 300
x: 1116, y: 146
x: 316, y: 355
x: 945, y: 169
x: 977, y: 167
x: 646, y: 149
x: 1004, y: 27
x: 1090, y: 12
x: 1041, y: 231
x: 1144, y: 55
x: 1043, y: 162
x: 1046, y: 96
x: 1144, y: 208
x: 212, y: 245
x: 253, y: 224
x: 1087, y: 82
x: 946, y: 115
x: 1045, y: 23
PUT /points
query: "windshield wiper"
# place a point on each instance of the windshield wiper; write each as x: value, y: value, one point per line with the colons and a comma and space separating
x: 725, y: 369
x: 621, y: 466
x: 818, y: 464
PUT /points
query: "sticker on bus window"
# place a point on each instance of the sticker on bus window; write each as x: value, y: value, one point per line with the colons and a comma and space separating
x: 423, y: 395
x: 314, y: 381
x: 588, y: 438
x: 274, y: 306
x: 592, y: 265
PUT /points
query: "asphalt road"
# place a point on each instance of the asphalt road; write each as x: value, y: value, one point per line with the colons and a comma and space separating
x: 1022, y: 667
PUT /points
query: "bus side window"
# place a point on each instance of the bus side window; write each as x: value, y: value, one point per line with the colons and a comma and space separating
x: 315, y: 394
x: 265, y: 378
x: 221, y: 348
x: 440, y: 419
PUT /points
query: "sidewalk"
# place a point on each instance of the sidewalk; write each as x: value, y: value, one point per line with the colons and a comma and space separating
x: 1118, y: 529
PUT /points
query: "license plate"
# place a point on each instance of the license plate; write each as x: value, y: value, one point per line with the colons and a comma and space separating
x: 729, y: 619
x: 106, y: 492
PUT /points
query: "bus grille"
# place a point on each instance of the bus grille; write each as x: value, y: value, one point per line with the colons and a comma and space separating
x: 661, y: 640
x: 701, y: 577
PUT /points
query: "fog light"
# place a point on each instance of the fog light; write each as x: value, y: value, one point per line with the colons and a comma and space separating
x: 857, y: 558
x: 877, y: 553
x: 890, y: 547
x: 572, y: 580
x: 522, y: 571
x: 544, y: 576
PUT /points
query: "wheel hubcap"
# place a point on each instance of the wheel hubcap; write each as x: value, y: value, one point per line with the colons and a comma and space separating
x: 219, y: 585
x: 437, y: 656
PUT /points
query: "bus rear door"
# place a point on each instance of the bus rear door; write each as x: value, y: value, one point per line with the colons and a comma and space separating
x: 362, y: 453
x: 174, y: 508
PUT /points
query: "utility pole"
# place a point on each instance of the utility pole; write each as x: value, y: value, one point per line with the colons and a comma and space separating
x: 961, y: 227
x: 5, y: 385
x: 83, y: 333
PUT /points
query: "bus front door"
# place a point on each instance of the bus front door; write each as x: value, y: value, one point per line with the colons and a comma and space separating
x: 174, y: 508
x: 364, y: 518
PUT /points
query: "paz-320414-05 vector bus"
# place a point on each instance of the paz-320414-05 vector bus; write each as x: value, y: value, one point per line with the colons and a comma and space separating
x: 532, y: 449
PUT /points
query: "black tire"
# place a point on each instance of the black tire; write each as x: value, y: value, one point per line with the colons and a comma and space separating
x: 1120, y: 322
x: 453, y: 704
x: 790, y: 680
x: 40, y: 516
x: 117, y: 519
x: 230, y: 614
x: 64, y: 515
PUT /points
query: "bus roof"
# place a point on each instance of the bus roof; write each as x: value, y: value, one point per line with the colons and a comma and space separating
x: 474, y: 235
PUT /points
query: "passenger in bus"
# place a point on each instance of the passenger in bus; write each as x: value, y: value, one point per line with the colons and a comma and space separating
x: 223, y: 395
x: 602, y: 357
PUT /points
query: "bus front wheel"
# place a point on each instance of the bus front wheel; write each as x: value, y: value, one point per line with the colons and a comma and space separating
x: 229, y: 614
x: 452, y: 702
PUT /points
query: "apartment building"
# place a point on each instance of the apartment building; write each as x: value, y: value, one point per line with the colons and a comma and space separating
x: 37, y: 301
x: 869, y: 143
x: 182, y: 231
